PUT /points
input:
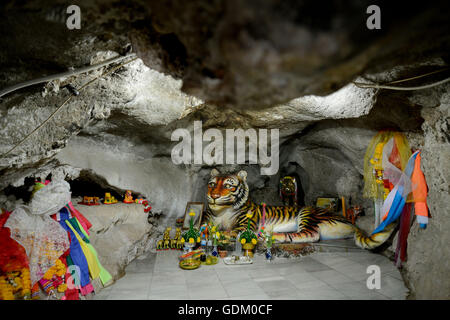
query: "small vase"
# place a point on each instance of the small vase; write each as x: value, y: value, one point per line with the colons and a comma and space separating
x: 248, y: 249
x: 269, y: 254
x: 214, y: 251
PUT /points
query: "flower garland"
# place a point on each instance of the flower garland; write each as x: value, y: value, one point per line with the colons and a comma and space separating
x: 53, y: 278
x: 15, y: 285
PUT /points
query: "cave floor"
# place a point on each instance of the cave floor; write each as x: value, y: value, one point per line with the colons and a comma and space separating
x: 336, y: 275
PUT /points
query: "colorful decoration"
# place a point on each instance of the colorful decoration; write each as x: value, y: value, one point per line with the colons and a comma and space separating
x: 204, y: 233
x: 128, y: 197
x: 15, y: 282
x: 192, y: 235
x: 189, y: 264
x: 109, y: 199
x: 403, y: 182
x: 146, y: 204
x: 90, y: 201
x: 376, y: 185
x: 248, y: 238
x: 38, y: 185
x: 288, y: 224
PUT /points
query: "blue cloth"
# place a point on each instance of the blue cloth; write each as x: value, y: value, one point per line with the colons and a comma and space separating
x: 76, y: 253
x: 399, y: 200
x: 394, y: 211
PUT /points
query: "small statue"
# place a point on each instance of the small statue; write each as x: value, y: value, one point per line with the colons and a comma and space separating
x: 159, y: 245
x: 128, y: 197
x: 109, y: 199
x: 177, y: 234
x: 289, y: 191
x: 174, y: 241
x: 179, y: 244
x: 166, y: 238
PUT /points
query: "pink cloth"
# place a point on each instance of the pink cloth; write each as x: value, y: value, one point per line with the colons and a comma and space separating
x: 83, y: 221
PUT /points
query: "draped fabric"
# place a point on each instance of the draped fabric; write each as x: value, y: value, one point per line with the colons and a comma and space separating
x: 13, y: 264
x: 396, y: 199
x: 420, y: 194
x: 410, y: 181
x: 76, y: 253
x: 33, y: 228
x: 48, y: 229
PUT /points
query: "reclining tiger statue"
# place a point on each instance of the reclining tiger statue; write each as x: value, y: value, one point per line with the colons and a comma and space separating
x: 229, y: 202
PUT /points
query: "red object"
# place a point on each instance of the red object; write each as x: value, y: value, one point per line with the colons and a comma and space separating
x: 402, y: 242
x: 83, y: 221
x: 13, y: 256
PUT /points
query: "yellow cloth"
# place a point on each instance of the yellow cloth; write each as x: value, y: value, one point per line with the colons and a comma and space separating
x: 94, y: 269
x: 372, y: 189
x: 105, y: 276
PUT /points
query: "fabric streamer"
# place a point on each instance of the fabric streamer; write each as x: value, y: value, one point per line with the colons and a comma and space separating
x: 94, y: 269
x: 420, y: 194
x: 105, y: 276
x: 76, y: 255
x: 396, y: 199
x: 402, y: 242
x: 83, y: 221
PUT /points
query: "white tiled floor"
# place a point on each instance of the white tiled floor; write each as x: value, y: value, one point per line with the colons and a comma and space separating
x: 319, y: 276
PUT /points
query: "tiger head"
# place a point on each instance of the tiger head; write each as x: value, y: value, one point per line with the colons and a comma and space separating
x: 228, y: 190
x: 288, y: 185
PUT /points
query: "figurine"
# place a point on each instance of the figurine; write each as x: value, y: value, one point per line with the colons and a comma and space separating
x: 128, y: 197
x: 177, y: 234
x: 166, y: 238
x: 354, y: 212
x: 291, y: 191
x: 204, y: 230
x: 109, y: 199
x: 180, y: 244
x: 159, y: 245
x: 90, y: 201
x: 174, y: 241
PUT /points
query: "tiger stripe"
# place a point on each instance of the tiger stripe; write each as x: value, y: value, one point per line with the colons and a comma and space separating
x: 231, y: 191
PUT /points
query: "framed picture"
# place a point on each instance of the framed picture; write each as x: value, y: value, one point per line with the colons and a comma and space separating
x: 197, y: 207
x: 331, y: 204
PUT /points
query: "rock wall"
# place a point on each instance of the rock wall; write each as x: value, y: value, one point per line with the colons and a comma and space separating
x: 120, y: 233
x: 428, y: 265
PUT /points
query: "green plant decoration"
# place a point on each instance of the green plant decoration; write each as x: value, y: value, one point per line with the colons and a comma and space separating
x: 192, y: 235
x: 248, y: 236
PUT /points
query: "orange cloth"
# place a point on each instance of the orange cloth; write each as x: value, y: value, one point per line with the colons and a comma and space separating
x: 421, y: 191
